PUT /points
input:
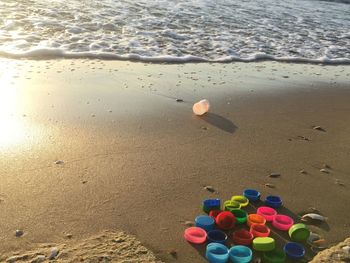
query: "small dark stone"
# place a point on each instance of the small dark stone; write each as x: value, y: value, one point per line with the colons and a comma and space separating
x: 319, y: 128
x: 270, y: 185
x: 19, y: 233
x: 209, y: 188
x: 303, y: 138
x: 274, y: 175
x: 179, y: 100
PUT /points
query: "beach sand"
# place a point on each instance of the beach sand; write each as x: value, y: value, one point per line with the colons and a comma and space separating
x: 88, y: 146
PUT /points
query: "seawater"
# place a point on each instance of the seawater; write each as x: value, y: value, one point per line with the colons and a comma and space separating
x: 177, y: 30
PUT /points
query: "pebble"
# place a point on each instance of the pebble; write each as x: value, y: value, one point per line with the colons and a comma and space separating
x: 59, y: 162
x: 346, y: 249
x: 270, y: 185
x: 303, y: 138
x: 324, y: 171
x: 303, y: 172
x: 209, y: 188
x: 119, y: 240
x: 338, y: 182
x: 326, y: 166
x: 319, y: 128
x: 54, y: 253
x: 69, y: 236
x: 274, y: 175
x: 19, y: 233
x: 179, y: 100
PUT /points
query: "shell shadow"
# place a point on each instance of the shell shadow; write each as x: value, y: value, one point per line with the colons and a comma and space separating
x: 219, y: 122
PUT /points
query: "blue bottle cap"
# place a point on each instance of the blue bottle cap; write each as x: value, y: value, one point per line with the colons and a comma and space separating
x: 294, y: 250
x: 273, y: 201
x: 217, y: 236
x: 217, y: 253
x: 205, y: 222
x: 240, y: 254
x: 251, y: 194
x: 211, y: 203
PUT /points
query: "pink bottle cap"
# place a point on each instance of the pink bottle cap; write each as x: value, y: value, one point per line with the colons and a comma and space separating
x: 195, y: 235
x: 282, y: 222
x: 267, y: 212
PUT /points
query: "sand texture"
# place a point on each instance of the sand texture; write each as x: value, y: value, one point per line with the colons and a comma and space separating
x: 105, y: 247
x: 339, y: 253
x: 90, y: 145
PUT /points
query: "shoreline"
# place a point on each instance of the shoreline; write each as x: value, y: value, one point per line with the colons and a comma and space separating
x: 136, y: 160
x: 56, y: 54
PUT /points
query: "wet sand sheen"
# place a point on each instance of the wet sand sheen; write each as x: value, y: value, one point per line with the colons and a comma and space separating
x: 135, y: 159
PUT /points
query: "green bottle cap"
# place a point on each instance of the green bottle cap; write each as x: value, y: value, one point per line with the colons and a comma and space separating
x: 264, y: 243
x: 274, y: 256
x: 299, y: 233
x: 241, y: 215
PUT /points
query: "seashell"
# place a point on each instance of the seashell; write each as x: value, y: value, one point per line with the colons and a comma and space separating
x: 319, y: 242
x: 319, y: 128
x: 324, y: 171
x: 312, y: 238
x: 313, y: 216
x: 54, y: 253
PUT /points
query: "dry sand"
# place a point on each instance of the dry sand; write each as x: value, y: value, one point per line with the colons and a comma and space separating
x: 108, y: 246
x: 134, y: 159
x: 338, y: 253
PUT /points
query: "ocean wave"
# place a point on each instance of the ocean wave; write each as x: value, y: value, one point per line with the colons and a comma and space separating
x: 49, y: 53
x: 177, y: 31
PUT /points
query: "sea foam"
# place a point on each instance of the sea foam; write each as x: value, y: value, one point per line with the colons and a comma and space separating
x: 177, y: 31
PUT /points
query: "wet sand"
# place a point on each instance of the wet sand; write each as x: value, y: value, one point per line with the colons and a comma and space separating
x: 88, y: 146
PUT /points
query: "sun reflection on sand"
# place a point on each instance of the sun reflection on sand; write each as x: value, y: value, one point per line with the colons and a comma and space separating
x: 12, y: 128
